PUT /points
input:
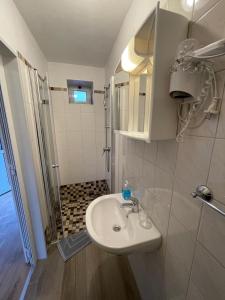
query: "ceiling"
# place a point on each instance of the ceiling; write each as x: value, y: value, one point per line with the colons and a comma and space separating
x: 72, y: 31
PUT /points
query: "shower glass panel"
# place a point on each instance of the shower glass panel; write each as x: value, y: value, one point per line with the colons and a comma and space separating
x: 49, y: 159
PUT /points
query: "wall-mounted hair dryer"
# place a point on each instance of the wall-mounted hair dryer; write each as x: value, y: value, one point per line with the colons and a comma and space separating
x: 184, y: 86
x: 193, y: 80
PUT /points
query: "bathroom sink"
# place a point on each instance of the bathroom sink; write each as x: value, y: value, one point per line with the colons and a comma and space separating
x: 116, y: 230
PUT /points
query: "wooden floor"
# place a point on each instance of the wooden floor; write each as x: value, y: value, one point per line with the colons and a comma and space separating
x: 13, y: 270
x: 92, y: 274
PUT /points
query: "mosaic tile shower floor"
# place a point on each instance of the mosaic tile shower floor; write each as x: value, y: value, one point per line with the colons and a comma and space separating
x: 75, y: 199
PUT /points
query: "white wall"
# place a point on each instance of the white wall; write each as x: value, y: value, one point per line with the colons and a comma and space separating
x: 79, y: 128
x: 16, y: 34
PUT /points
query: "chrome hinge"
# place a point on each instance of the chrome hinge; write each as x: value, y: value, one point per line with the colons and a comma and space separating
x: 12, y: 170
x: 55, y: 166
x: 44, y: 101
x: 28, y: 255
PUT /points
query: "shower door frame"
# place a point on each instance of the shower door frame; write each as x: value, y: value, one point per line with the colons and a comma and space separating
x: 44, y: 165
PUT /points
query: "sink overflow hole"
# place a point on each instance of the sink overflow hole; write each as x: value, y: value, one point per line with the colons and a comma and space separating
x: 116, y: 228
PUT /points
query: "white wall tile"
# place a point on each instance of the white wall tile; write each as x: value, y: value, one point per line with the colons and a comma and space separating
x: 80, y: 137
x: 146, y: 173
x: 186, y: 209
x: 150, y: 151
x: 212, y: 233
x: 58, y: 102
x: 166, y: 155
x: 73, y: 121
x: 193, y: 161
x: 61, y: 141
x: 89, y: 147
x: 180, y: 242
x: 99, y: 103
x: 216, y: 180
x: 60, y: 122
x: 90, y: 171
x: 87, y: 108
x: 76, y: 170
x: 100, y: 158
x: 193, y: 293
x: 99, y: 112
x: 208, y: 275
x: 74, y: 144
x: 71, y: 108
x: 88, y: 121
x: 133, y: 166
x: 131, y: 146
x: 99, y: 121
x: 139, y: 148
x: 176, y: 278
x: 161, y: 200
x: 221, y: 124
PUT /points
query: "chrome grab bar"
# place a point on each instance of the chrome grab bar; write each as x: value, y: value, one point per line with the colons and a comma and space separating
x: 204, y: 194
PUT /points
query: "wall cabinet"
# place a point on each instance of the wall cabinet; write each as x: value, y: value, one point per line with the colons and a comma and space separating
x: 144, y: 109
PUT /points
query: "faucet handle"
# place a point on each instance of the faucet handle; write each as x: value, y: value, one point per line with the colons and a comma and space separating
x: 135, y: 203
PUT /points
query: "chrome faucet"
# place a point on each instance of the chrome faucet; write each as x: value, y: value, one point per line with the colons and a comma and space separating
x: 134, y: 205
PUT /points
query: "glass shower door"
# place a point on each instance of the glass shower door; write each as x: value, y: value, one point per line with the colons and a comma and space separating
x: 49, y: 159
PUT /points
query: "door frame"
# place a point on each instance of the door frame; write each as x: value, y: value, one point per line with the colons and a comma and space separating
x: 14, y: 168
x: 13, y: 98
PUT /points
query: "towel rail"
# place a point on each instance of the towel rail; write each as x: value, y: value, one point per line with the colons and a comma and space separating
x: 204, y: 194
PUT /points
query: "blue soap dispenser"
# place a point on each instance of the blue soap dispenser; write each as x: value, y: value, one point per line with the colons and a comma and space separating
x: 126, y: 191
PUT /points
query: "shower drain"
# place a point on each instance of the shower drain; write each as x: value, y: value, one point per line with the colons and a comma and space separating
x: 116, y: 228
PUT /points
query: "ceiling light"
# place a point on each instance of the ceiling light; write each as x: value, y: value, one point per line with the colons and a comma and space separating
x: 129, y: 59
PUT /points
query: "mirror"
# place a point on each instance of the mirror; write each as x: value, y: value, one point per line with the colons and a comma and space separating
x: 133, y: 78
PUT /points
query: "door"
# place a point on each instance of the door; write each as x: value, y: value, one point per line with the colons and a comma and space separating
x: 9, y: 156
x: 48, y: 155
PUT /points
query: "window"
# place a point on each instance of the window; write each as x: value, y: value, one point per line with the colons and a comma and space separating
x: 80, y: 96
x: 80, y: 91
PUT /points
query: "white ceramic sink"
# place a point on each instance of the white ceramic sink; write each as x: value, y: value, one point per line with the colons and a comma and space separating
x: 104, y: 213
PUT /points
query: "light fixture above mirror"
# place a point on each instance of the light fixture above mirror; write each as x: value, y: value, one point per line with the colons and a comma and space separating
x: 131, y: 62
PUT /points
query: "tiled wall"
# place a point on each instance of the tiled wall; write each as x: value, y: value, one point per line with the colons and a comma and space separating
x: 191, y: 262
x: 79, y: 128
x: 79, y: 138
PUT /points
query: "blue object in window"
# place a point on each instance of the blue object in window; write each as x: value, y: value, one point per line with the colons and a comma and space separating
x: 80, y: 96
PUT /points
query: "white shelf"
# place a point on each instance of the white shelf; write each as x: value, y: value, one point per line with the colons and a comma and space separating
x: 141, y: 136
